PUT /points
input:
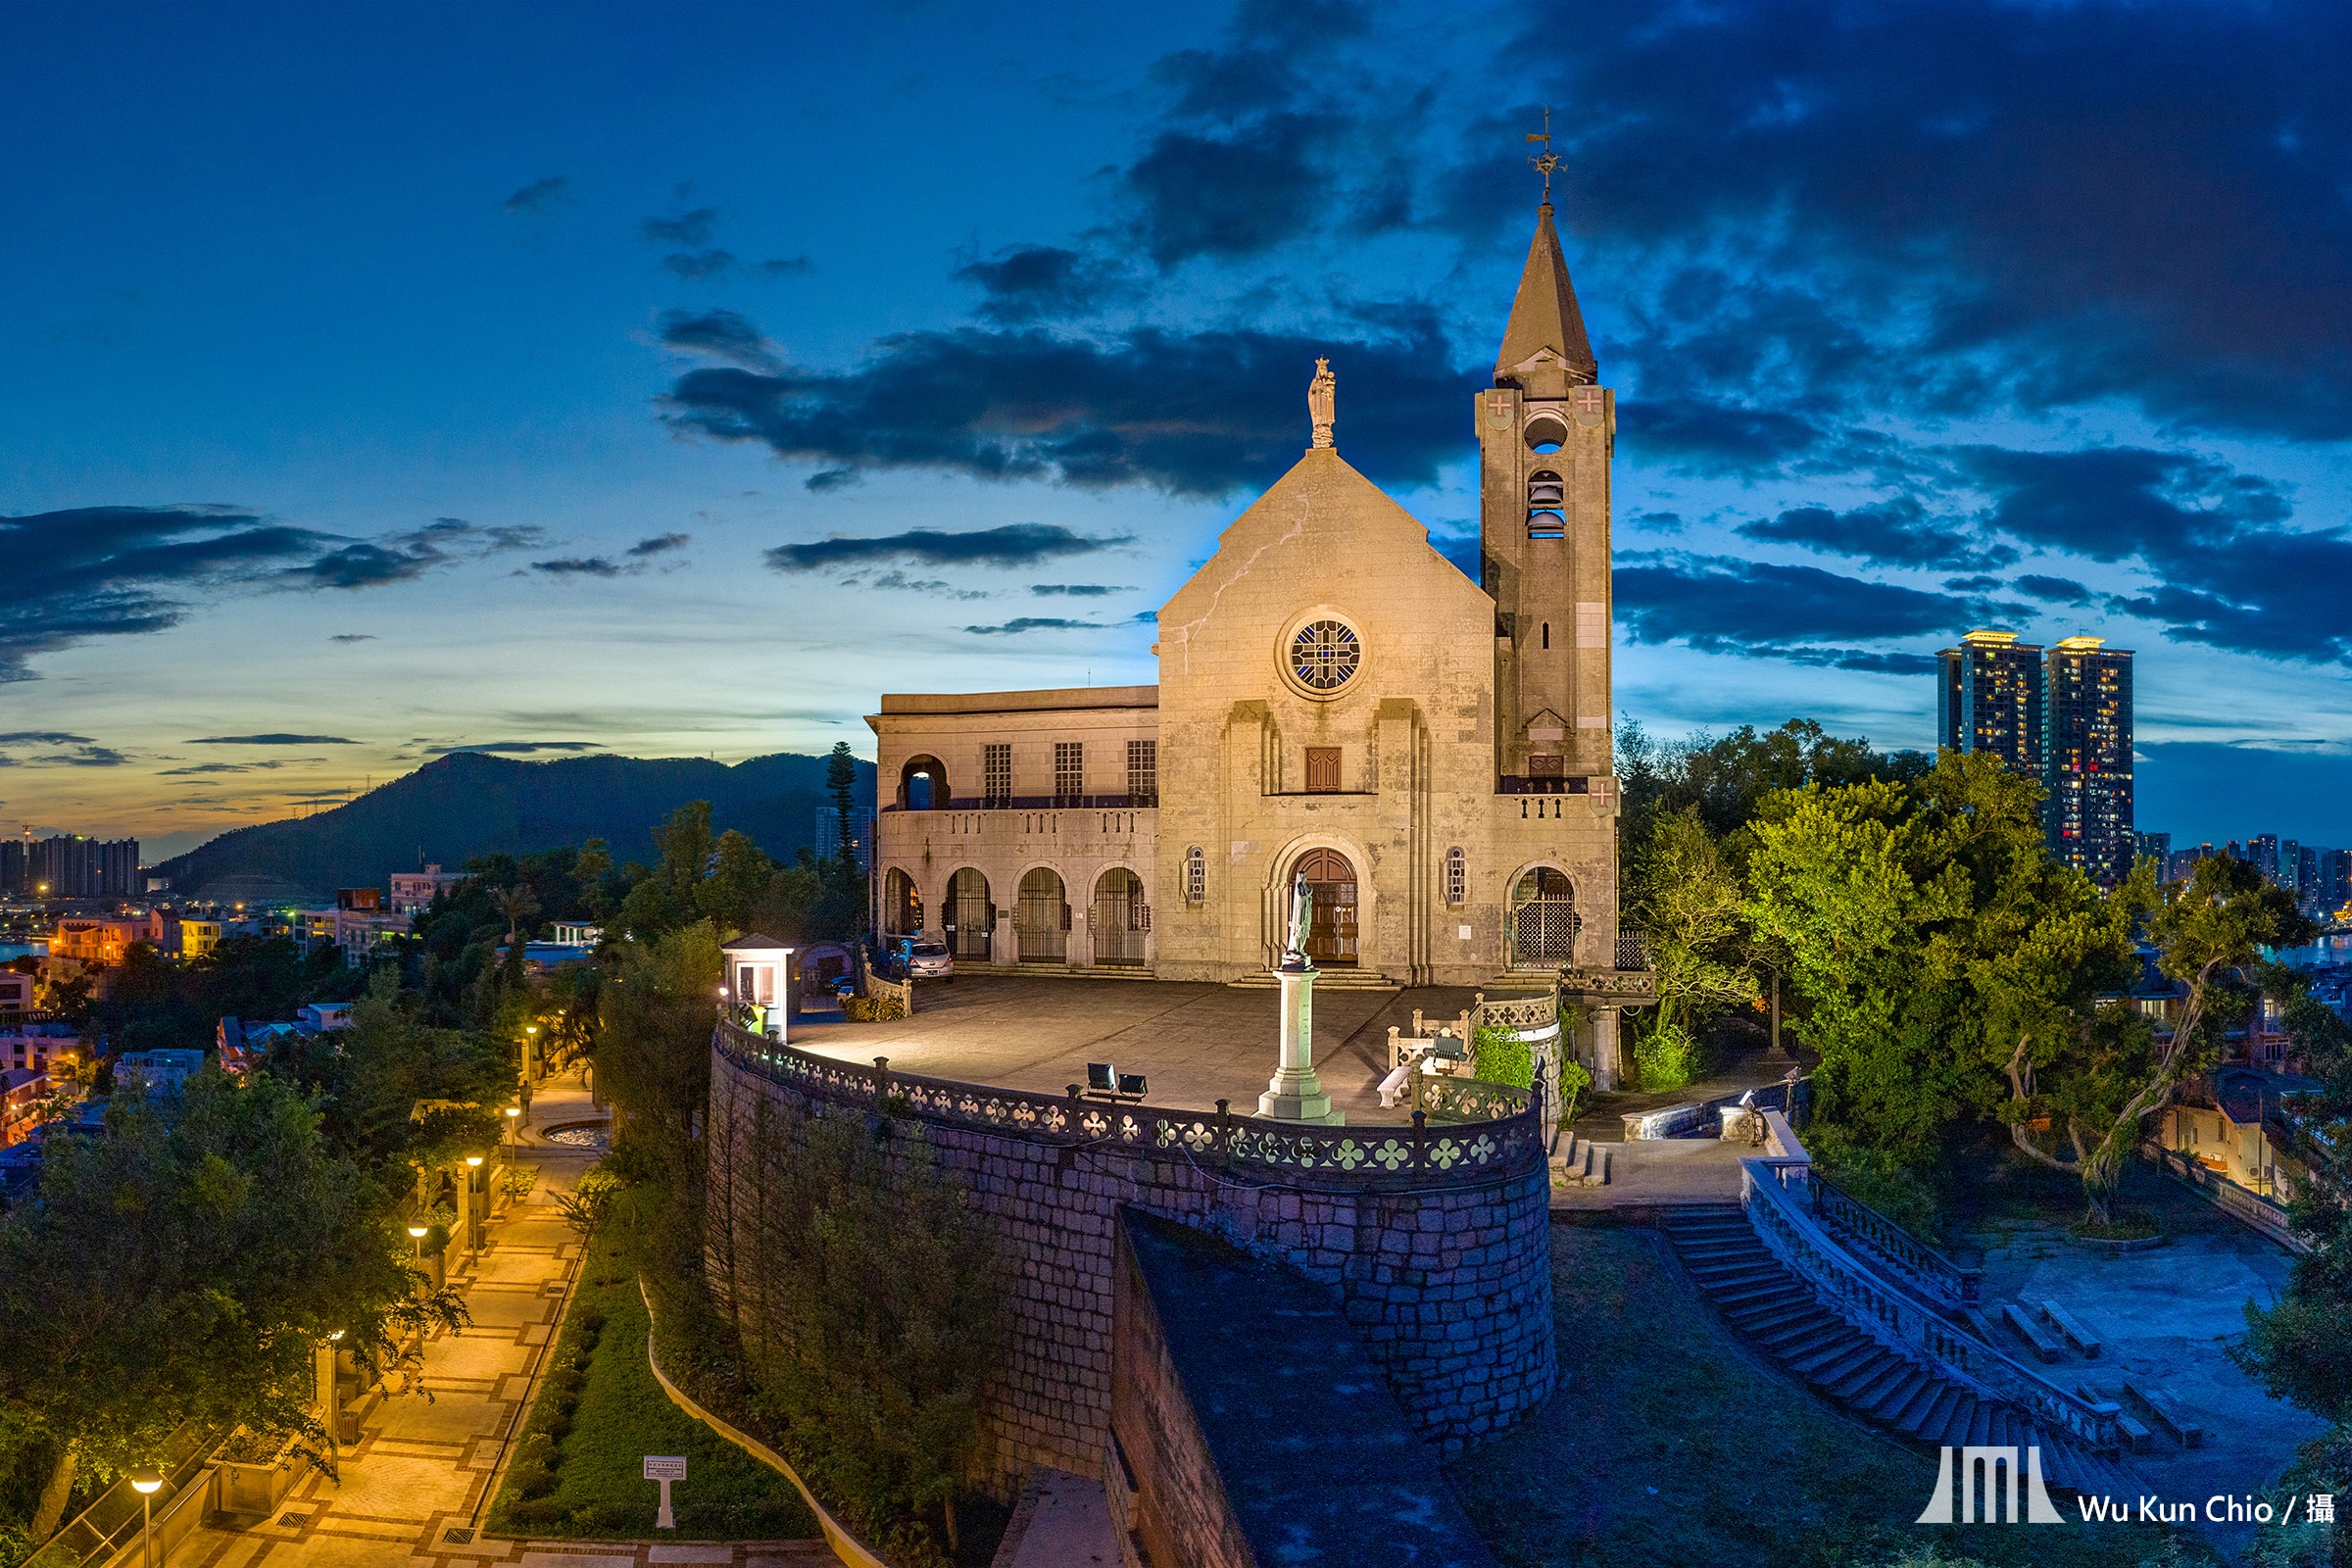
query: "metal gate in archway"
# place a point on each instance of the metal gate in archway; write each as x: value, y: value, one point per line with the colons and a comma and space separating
x: 1543, y: 920
x: 1120, y: 919
x: 972, y: 920
x: 1041, y: 918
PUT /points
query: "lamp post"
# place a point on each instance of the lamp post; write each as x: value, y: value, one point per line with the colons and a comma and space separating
x: 473, y: 1204
x: 513, y: 1115
x: 147, y: 1482
x: 417, y: 1235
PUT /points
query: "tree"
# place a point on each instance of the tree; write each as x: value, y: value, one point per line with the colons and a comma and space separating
x: 840, y: 779
x: 652, y: 1050
x: 1726, y: 779
x: 1685, y: 896
x: 666, y: 899
x: 737, y: 884
x: 186, y: 1265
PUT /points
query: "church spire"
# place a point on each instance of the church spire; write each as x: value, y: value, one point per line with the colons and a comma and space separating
x: 1544, y: 316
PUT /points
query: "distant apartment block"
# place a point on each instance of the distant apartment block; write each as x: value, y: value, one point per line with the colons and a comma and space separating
x: 412, y: 891
x: 861, y: 829
x: 69, y: 866
x: 1989, y: 699
x: 2086, y: 757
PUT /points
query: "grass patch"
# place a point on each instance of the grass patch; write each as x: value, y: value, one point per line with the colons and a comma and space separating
x: 1668, y: 1444
x: 579, y: 1471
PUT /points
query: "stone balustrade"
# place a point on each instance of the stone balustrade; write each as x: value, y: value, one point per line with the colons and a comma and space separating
x: 1918, y: 1264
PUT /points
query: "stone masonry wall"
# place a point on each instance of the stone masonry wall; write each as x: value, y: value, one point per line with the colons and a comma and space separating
x: 1446, y: 1276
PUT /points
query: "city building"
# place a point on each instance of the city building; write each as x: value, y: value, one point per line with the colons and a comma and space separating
x: 198, y: 937
x: 36, y: 1040
x: 862, y: 835
x: 2157, y: 847
x: 23, y: 1091
x: 69, y: 866
x: 412, y: 891
x: 578, y: 934
x: 102, y: 940
x: 16, y: 990
x: 1989, y: 699
x: 164, y: 1071
x: 1336, y: 703
x: 2086, y: 757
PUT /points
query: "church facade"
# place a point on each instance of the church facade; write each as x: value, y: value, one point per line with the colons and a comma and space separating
x: 1335, y: 701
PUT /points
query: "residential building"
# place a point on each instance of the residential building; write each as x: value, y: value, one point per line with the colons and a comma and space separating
x: 102, y: 940
x: 16, y: 990
x: 862, y: 835
x: 69, y: 866
x: 2087, y: 757
x: 198, y: 937
x: 164, y: 1071
x: 578, y: 934
x: 412, y: 891
x: 2262, y: 853
x: 1989, y: 699
x: 23, y: 1091
x: 2157, y: 847
x: 36, y: 1040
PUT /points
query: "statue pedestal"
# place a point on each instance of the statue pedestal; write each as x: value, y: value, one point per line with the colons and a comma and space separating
x: 1294, y: 1093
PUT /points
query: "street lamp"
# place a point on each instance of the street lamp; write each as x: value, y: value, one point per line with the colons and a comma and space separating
x: 513, y: 1113
x: 147, y: 1482
x: 417, y: 1233
x: 473, y: 1204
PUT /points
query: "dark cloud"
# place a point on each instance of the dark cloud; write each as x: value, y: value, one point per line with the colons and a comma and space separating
x: 687, y: 228
x: 660, y: 544
x: 695, y: 265
x: 1012, y: 544
x: 1720, y: 605
x: 272, y: 738
x: 1027, y: 623
x: 2051, y: 590
x: 1202, y: 413
x: 1981, y: 584
x: 1657, y: 521
x: 538, y: 195
x: 43, y: 737
x: 1075, y: 590
x: 1041, y: 283
x: 1897, y: 532
x: 784, y: 266
x: 516, y: 747
x: 577, y: 567
x: 353, y: 637
x: 721, y: 334
x: 198, y: 769
x: 1697, y: 435
x: 898, y: 582
x: 407, y: 556
x: 79, y: 753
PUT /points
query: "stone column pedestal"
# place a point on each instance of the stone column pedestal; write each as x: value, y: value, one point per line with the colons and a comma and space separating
x: 1608, y: 1061
x: 1294, y: 1093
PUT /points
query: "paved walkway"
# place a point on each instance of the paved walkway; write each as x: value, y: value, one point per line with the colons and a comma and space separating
x: 415, y: 1487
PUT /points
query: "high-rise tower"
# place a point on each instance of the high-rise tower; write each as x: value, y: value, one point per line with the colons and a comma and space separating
x: 1989, y: 699
x: 1545, y: 432
x: 2086, y: 757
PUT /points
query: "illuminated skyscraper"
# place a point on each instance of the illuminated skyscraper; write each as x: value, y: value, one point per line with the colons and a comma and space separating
x: 1991, y: 699
x: 2086, y: 757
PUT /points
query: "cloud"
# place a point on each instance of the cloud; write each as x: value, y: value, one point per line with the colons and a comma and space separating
x: 899, y: 581
x: 1980, y: 584
x: 1028, y: 624
x: 721, y: 334
x: 1199, y: 414
x: 578, y: 567
x: 2051, y: 590
x: 695, y: 265
x: 687, y: 228
x: 409, y: 554
x: 272, y: 738
x: 538, y: 195
x: 1722, y: 605
x: 661, y: 543
x: 784, y: 266
x: 80, y: 751
x: 43, y: 737
x: 1076, y: 590
x: 516, y: 747
x: 1041, y: 283
x: 195, y: 769
x: 1897, y: 532
x: 353, y: 637
x: 1012, y: 544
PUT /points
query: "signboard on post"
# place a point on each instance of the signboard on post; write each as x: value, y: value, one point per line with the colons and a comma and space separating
x: 664, y: 1468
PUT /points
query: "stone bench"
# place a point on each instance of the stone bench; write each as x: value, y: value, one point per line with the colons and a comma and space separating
x: 2135, y: 1435
x: 2066, y: 1323
x: 2169, y: 1413
x: 2033, y: 1334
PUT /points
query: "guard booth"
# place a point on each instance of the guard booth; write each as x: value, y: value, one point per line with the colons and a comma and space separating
x: 757, y: 971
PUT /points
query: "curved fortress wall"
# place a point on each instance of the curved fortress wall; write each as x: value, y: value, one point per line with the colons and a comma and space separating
x: 1436, y: 1249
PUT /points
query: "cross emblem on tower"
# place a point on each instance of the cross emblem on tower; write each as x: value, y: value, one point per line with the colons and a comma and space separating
x: 1546, y: 163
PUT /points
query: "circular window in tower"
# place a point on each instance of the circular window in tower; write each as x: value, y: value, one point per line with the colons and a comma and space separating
x: 1324, y: 656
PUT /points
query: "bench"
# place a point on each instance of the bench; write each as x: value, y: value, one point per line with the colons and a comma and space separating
x: 2169, y: 1413
x: 1392, y: 1087
x: 1105, y: 1082
x: 2135, y: 1435
x: 2068, y: 1324
x: 2033, y: 1334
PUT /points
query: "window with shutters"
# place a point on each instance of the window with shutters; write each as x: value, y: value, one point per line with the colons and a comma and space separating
x: 996, y: 773
x: 1143, y: 772
x: 1458, y: 876
x: 1195, y: 875
x: 1322, y: 769
x: 1069, y: 770
x: 1546, y: 498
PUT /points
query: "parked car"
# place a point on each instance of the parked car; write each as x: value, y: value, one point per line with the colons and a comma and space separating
x: 921, y: 959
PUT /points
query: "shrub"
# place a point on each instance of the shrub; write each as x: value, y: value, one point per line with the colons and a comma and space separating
x: 1668, y: 1059
x: 1574, y: 1079
x: 1500, y: 1056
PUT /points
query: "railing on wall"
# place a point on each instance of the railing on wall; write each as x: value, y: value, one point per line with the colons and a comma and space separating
x: 1769, y: 1189
x: 1536, y: 1012
x: 1500, y: 1145
x: 1918, y: 1264
x: 2250, y: 1207
x: 1037, y: 803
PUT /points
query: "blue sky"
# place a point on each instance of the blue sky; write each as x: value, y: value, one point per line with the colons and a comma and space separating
x: 379, y: 380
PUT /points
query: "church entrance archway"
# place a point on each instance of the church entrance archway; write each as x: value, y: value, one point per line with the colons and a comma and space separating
x: 1331, y: 931
x: 902, y: 905
x: 1542, y: 920
x: 1041, y: 920
x: 1120, y: 919
x: 971, y: 918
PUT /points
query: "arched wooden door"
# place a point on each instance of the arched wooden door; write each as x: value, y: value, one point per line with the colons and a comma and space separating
x: 1331, y: 929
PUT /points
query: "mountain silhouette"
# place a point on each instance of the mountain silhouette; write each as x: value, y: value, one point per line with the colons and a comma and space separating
x: 470, y: 804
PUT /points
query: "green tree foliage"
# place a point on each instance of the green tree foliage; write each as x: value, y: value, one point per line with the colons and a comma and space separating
x: 841, y: 781
x: 1725, y: 779
x: 1684, y: 894
x: 652, y: 1050
x: 185, y: 1265
x: 152, y: 1001
x: 873, y: 1315
x: 366, y: 1080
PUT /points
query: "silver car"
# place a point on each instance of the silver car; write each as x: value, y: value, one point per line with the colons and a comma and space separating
x: 925, y: 960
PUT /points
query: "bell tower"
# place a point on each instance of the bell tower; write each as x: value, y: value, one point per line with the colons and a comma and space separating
x: 1545, y: 432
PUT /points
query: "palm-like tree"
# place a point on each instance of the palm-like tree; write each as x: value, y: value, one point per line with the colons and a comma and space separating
x: 517, y: 906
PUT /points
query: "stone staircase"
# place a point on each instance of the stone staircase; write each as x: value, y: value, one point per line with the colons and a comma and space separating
x: 1774, y: 1310
x: 1580, y: 1163
x: 1326, y: 980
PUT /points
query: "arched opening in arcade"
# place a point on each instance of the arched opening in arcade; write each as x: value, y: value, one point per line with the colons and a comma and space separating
x: 1331, y: 932
x: 1040, y: 918
x: 924, y: 785
x: 971, y: 917
x: 1542, y: 920
x: 1120, y: 919
x: 902, y: 905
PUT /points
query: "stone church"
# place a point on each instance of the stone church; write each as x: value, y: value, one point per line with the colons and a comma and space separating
x: 1337, y: 701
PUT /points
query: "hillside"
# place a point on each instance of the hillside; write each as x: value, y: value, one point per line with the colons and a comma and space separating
x: 470, y: 804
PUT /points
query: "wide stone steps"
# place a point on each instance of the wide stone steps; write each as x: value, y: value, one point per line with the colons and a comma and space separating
x: 1581, y: 1162
x: 1774, y: 1310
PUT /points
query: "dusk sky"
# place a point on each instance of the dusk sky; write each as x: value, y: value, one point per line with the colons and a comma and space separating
x: 377, y: 381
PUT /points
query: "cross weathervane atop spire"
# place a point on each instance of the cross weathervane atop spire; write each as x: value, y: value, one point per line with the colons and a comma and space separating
x: 1547, y: 162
